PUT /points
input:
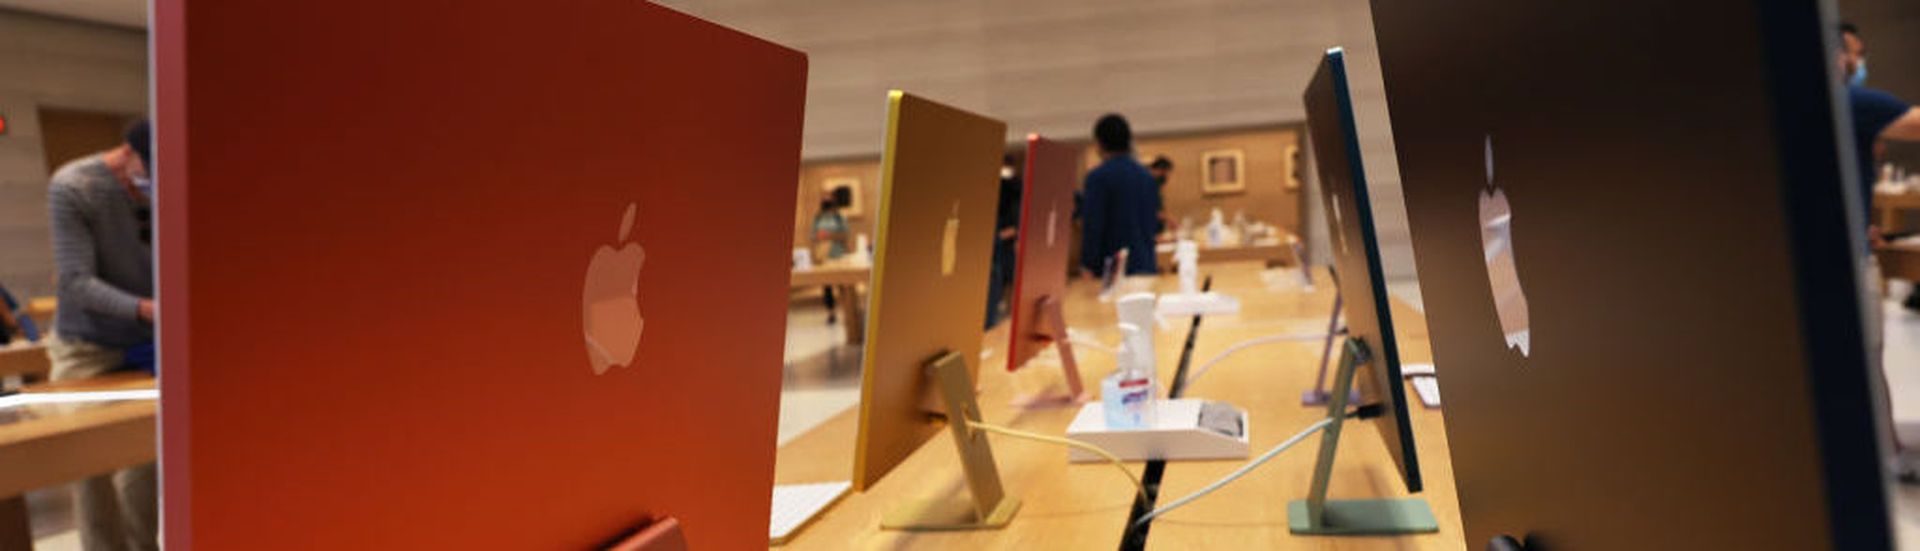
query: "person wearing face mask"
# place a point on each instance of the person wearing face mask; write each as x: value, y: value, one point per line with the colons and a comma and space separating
x: 1877, y: 117
x: 101, y: 211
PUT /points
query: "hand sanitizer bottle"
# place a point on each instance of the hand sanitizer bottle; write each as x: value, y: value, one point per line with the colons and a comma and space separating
x: 1127, y: 395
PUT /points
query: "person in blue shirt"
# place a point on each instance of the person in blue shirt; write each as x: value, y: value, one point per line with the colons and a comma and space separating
x: 1877, y: 117
x: 830, y: 231
x: 1119, y: 204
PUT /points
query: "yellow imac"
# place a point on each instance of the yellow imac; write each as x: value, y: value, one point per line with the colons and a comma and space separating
x: 938, y: 189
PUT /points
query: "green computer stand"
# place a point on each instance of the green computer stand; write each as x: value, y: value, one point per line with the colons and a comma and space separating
x: 1317, y: 515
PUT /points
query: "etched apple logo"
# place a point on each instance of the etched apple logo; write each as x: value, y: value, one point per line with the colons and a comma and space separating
x: 950, y: 242
x: 1496, y: 240
x: 611, y: 301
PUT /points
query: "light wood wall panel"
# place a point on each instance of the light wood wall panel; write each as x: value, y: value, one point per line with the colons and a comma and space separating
x: 47, y: 62
x: 1268, y: 166
x: 813, y: 179
x: 1053, y: 66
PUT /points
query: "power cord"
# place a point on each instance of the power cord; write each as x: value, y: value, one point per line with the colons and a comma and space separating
x: 1249, y: 343
x: 1363, y: 412
x: 1084, y: 340
x: 1090, y: 448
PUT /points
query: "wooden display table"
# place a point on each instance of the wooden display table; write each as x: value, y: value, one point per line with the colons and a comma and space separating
x: 847, y: 280
x: 50, y: 444
x: 1271, y: 253
x: 1899, y: 260
x: 22, y: 358
x: 1890, y: 206
x: 1085, y: 506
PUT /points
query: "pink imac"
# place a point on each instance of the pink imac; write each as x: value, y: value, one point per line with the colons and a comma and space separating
x: 1040, y: 267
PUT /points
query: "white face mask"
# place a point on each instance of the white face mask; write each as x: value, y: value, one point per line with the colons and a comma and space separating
x: 1006, y: 173
x: 144, y: 184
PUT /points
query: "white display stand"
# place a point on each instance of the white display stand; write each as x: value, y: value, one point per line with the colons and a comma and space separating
x: 1176, y: 434
x: 1190, y: 301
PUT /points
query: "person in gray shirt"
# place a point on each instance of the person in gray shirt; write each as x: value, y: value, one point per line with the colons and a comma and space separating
x: 100, y: 207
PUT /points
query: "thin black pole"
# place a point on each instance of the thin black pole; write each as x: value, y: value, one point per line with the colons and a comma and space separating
x: 1136, y: 540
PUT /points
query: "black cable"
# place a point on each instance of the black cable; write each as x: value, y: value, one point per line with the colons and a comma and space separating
x: 1135, y: 538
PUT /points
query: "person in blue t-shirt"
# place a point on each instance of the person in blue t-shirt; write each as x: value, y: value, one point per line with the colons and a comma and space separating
x: 1119, y: 204
x: 1877, y: 117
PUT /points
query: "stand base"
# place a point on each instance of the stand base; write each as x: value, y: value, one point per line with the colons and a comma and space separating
x: 1318, y: 397
x: 1365, y: 517
x: 1182, y: 430
x: 939, y: 515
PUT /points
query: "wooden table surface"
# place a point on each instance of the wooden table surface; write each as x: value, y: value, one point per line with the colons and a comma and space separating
x: 833, y: 273
x: 1890, y: 205
x: 50, y: 444
x: 1899, y: 260
x: 1279, y: 251
x: 849, y: 278
x: 21, y: 358
x: 1085, y: 506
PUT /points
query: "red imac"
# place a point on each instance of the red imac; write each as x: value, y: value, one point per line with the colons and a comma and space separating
x: 501, y: 277
x: 1040, y: 268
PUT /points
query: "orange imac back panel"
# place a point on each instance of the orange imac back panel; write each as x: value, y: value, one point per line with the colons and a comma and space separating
x: 1046, y: 228
x: 478, y: 276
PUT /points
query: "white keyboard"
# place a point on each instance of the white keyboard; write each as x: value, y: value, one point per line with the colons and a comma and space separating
x: 1428, y: 387
x: 796, y: 504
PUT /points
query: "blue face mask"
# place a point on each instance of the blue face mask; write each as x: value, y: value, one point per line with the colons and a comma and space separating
x: 145, y: 185
x: 1859, y: 76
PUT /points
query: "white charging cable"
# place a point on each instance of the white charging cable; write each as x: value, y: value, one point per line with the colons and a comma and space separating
x: 1250, y: 343
x: 1083, y: 339
x: 1317, y: 426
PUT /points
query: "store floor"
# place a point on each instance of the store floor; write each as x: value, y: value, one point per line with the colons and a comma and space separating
x: 822, y: 379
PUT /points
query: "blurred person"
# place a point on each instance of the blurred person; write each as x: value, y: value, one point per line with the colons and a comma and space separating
x: 1878, y: 117
x: 1006, y: 228
x: 830, y: 238
x: 1161, y: 168
x: 100, y: 209
x: 1120, y: 205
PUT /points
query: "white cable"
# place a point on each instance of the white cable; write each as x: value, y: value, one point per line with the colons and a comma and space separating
x: 75, y: 397
x: 1082, y: 339
x: 1243, y: 345
x: 1316, y: 427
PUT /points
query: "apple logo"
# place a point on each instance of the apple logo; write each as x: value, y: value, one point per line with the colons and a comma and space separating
x: 611, y: 301
x: 950, y: 242
x: 1053, y: 221
x: 1496, y: 240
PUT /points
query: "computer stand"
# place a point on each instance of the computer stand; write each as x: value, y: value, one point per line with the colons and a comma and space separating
x: 1317, y: 396
x: 1317, y: 515
x: 1052, y: 327
x: 989, y: 506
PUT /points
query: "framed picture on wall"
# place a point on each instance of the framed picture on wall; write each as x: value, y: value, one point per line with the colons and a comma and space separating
x: 1293, y: 167
x: 851, y: 206
x: 1223, y: 171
